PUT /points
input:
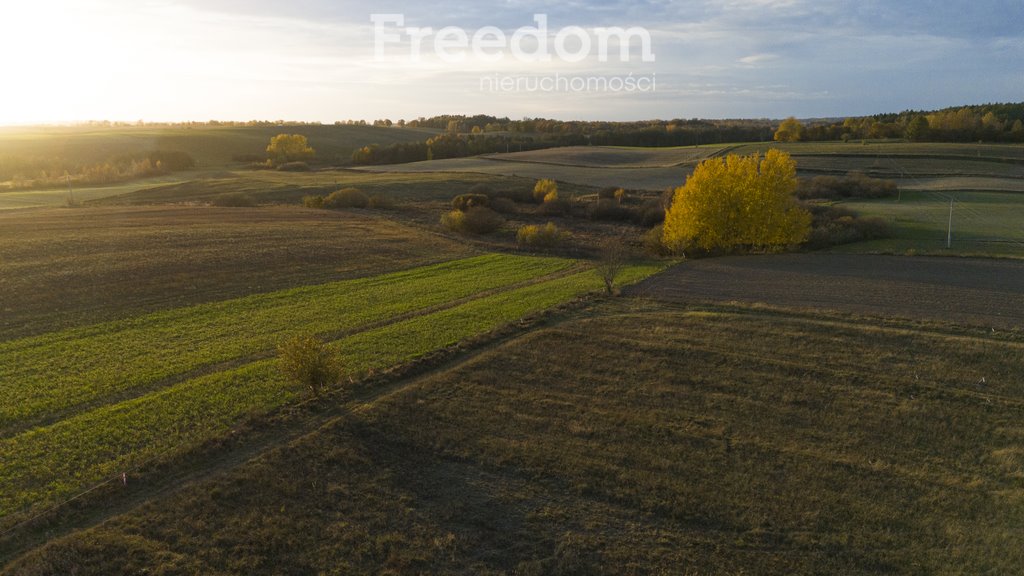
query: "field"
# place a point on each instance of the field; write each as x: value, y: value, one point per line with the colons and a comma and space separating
x: 660, y: 168
x: 818, y: 413
x: 981, y: 292
x: 152, y: 386
x: 634, y: 438
x: 68, y: 267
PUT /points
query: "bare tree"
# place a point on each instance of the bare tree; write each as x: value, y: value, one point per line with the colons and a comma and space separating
x: 613, y: 256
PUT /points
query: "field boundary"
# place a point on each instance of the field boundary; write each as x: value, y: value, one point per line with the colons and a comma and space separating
x: 238, y: 362
x: 159, y: 476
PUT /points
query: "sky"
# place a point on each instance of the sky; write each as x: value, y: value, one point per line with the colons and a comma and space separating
x: 318, y: 60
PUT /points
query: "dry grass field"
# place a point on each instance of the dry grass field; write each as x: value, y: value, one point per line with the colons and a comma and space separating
x: 979, y: 292
x: 65, y: 267
x: 633, y: 438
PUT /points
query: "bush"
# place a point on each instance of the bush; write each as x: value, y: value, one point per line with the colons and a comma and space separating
x: 544, y: 237
x: 294, y: 167
x: 503, y: 206
x: 347, y: 198
x: 609, y: 210
x: 833, y: 226
x: 543, y: 188
x: 555, y: 207
x: 381, y: 202
x: 607, y: 193
x: 313, y: 201
x: 853, y: 185
x: 308, y: 362
x: 551, y: 196
x: 475, y: 220
x: 234, y: 200
x: 653, y: 243
x: 650, y: 213
x: 463, y: 202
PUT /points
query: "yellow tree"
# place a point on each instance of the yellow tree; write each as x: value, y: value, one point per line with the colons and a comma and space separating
x: 738, y: 202
x: 289, y: 148
x: 791, y: 130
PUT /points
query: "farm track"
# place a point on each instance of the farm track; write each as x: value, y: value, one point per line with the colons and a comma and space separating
x: 249, y: 441
x: 213, y: 368
x: 971, y: 291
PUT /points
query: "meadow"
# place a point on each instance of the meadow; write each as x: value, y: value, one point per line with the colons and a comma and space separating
x: 636, y: 438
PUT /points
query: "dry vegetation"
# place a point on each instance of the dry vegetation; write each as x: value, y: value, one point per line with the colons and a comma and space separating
x: 639, y: 439
x: 61, y: 267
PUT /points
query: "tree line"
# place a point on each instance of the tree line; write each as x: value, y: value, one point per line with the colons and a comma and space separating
x: 28, y: 172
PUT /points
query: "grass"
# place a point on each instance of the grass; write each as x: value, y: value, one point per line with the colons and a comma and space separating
x: 58, y: 371
x: 50, y: 462
x: 636, y: 439
x: 984, y: 223
x: 62, y: 268
x: 60, y: 197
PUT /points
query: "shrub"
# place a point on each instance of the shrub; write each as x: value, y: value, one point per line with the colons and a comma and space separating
x: 555, y: 207
x: 833, y: 226
x: 551, y: 196
x: 543, y: 188
x: 503, y: 206
x: 381, y: 202
x: 475, y: 220
x: 294, y: 167
x: 650, y: 213
x: 463, y: 202
x: 313, y: 201
x: 234, y: 200
x: 544, y: 237
x: 853, y: 185
x: 308, y: 362
x: 653, y: 243
x: 347, y: 198
x: 609, y: 210
x: 620, y: 195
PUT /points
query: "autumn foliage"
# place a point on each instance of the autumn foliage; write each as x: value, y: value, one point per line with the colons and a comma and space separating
x: 738, y: 202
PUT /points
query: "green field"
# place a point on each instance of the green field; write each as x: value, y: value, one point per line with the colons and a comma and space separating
x: 636, y: 438
x: 83, y: 404
x: 983, y: 223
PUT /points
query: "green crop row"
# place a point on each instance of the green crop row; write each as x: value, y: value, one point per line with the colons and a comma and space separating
x: 58, y: 371
x: 50, y: 463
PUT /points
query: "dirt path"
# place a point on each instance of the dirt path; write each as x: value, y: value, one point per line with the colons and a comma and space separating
x: 979, y: 292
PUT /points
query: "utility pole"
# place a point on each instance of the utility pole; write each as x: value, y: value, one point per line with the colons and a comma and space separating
x: 949, y: 229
